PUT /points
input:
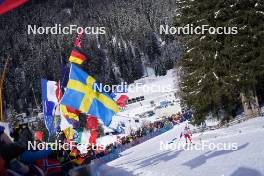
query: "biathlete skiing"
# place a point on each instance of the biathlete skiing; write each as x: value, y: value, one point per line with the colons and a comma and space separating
x: 187, y: 133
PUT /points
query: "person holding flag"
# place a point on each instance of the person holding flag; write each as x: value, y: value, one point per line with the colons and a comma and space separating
x: 50, y: 100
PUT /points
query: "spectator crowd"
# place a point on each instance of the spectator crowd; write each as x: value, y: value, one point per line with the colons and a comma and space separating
x: 16, y: 159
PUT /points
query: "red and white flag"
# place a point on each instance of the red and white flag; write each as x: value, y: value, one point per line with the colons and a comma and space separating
x: 7, y: 5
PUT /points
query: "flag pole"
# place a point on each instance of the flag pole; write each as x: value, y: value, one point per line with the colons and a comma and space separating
x: 1, y: 89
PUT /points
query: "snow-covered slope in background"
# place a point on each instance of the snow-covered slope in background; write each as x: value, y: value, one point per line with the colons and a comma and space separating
x: 147, y: 159
x: 154, y: 89
x: 154, y: 86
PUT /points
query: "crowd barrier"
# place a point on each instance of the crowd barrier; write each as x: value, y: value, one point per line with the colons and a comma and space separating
x: 115, y: 153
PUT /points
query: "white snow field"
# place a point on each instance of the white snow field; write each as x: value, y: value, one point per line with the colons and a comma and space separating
x: 147, y: 159
x: 154, y: 89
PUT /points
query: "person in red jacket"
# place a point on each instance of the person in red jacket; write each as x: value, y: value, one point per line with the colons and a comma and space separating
x: 187, y: 133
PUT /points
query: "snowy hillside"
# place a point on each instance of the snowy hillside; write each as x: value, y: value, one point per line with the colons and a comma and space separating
x: 147, y: 159
x: 154, y: 90
x: 157, y: 84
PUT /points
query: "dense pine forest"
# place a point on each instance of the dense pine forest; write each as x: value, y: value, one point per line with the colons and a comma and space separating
x: 130, y: 46
x: 220, y: 74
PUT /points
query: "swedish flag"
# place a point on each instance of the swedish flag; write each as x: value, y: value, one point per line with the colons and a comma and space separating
x: 81, y: 94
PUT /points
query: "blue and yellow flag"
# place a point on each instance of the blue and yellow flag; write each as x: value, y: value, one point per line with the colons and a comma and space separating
x: 82, y: 94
